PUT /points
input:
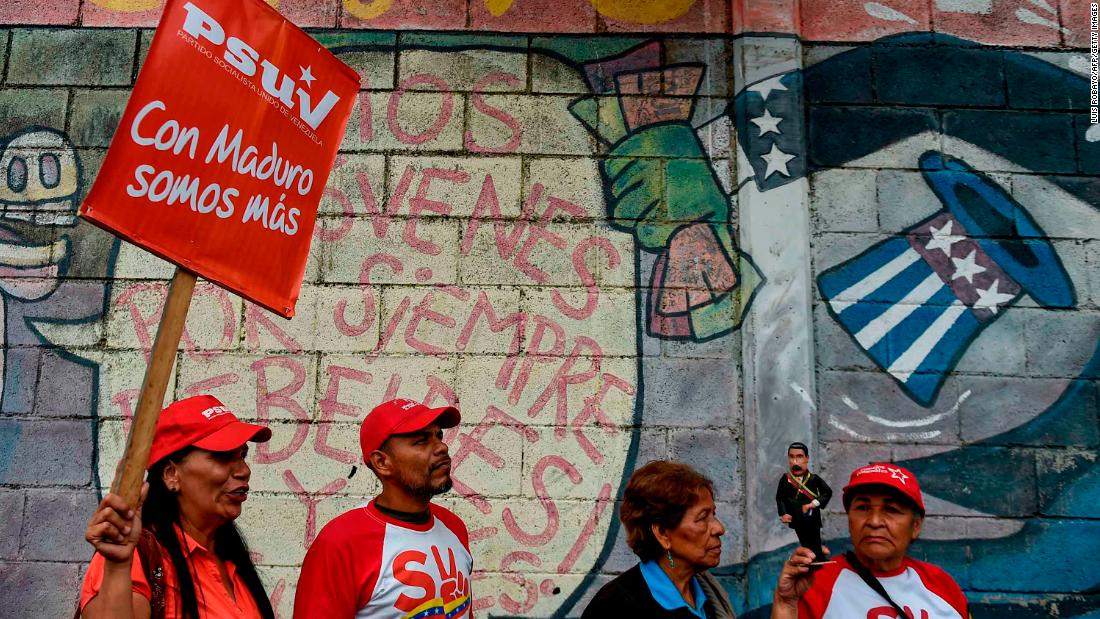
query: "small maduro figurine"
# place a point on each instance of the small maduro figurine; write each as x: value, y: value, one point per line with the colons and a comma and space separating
x: 800, y: 497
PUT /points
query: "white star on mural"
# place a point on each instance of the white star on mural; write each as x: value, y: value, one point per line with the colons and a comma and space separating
x: 942, y: 239
x: 307, y: 75
x: 768, y: 123
x: 766, y: 87
x: 777, y: 162
x: 992, y: 297
x: 967, y: 267
x: 898, y: 475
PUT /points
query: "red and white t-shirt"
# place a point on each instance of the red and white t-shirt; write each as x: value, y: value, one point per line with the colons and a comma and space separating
x: 367, y: 564
x: 922, y: 589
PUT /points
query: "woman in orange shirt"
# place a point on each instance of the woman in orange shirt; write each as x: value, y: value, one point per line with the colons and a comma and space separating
x: 191, y: 562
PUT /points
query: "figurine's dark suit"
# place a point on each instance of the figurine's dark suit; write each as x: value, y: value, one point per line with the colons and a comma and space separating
x: 794, y: 492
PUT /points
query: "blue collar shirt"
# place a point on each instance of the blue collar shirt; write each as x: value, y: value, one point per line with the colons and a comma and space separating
x: 666, y: 594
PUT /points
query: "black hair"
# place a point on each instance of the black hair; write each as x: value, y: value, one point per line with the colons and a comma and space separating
x: 798, y: 445
x: 161, y: 515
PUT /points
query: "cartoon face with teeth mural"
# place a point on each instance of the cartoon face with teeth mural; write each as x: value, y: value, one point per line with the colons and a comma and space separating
x: 45, y: 304
x: 41, y: 177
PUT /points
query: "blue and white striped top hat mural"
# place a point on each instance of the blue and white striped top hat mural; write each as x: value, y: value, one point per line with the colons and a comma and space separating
x: 915, y: 302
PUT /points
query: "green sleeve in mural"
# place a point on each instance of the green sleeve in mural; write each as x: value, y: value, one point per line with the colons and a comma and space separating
x: 660, y: 180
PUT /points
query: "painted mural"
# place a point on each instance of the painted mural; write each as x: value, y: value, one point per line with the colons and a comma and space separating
x: 605, y: 250
x: 958, y: 327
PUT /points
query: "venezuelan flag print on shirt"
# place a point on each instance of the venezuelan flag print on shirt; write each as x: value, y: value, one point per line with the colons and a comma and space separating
x: 437, y: 608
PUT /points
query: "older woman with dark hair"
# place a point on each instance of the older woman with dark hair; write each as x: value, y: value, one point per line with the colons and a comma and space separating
x: 669, y: 516
x: 179, y: 555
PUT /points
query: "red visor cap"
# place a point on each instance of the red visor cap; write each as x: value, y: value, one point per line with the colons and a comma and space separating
x: 204, y: 422
x: 399, y: 417
x: 885, y: 474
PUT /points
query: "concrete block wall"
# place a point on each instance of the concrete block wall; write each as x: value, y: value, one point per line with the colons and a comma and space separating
x: 474, y: 247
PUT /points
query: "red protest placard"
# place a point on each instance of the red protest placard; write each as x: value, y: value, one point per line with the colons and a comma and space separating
x: 225, y: 146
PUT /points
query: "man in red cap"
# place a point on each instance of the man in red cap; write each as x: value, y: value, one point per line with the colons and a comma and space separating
x: 399, y: 555
x: 878, y: 579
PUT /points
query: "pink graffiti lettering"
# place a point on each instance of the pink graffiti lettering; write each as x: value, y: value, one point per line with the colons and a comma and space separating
x: 348, y: 211
x: 282, y: 398
x: 592, y: 410
x: 324, y: 234
x: 523, y: 258
x: 487, y: 202
x: 213, y: 383
x: 592, y: 291
x: 439, y: 394
x: 484, y: 307
x: 480, y: 602
x: 471, y: 444
x: 419, y: 203
x: 539, y: 232
x: 228, y: 319
x: 277, y: 596
x: 391, y: 326
x: 559, y: 385
x: 535, y: 354
x: 551, y: 508
x: 256, y: 317
x: 587, y: 531
x: 530, y: 589
x: 380, y: 221
x: 366, y: 117
x: 143, y: 325
x: 330, y: 406
x: 126, y: 400
x: 516, y: 132
x: 423, y: 311
x: 311, y: 500
x: 441, y: 119
x: 339, y: 316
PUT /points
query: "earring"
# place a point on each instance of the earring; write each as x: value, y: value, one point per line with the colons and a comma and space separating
x: 671, y: 563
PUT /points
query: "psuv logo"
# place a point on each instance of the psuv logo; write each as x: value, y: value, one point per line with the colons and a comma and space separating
x: 215, y: 411
x: 244, y: 57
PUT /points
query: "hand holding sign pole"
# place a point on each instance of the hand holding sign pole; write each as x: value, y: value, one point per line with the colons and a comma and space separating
x: 217, y: 166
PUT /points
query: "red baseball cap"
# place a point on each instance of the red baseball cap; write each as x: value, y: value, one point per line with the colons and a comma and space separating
x: 204, y: 422
x: 399, y: 417
x: 885, y: 474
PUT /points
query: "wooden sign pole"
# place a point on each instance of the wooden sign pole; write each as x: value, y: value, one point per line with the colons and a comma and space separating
x: 131, y: 470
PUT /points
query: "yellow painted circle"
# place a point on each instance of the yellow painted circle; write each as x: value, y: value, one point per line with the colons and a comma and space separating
x: 642, y: 11
x: 127, y: 6
x: 367, y: 10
